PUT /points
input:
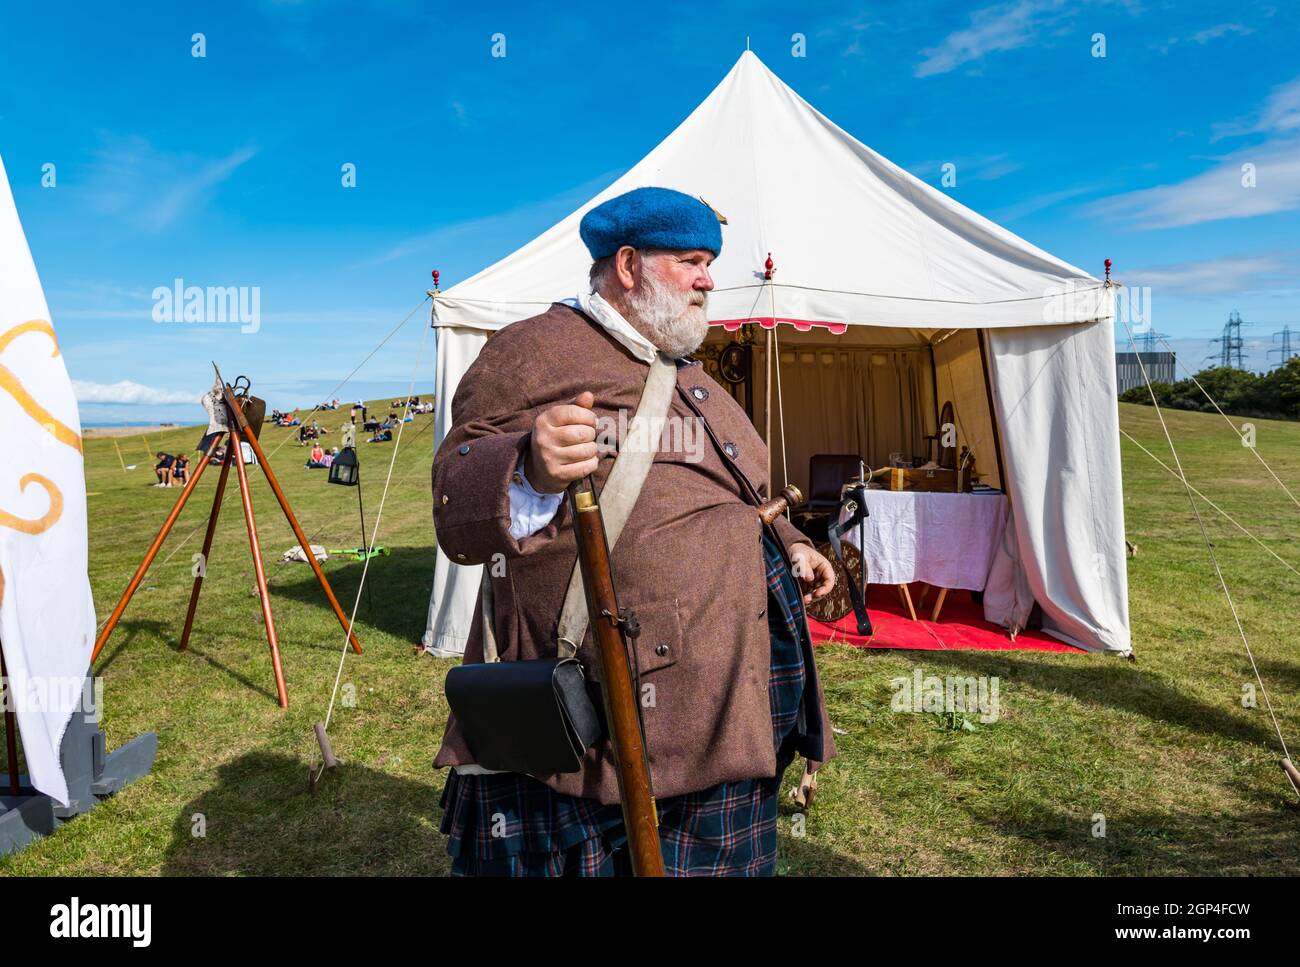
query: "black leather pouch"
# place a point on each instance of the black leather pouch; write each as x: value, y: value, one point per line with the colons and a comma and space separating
x: 532, y: 717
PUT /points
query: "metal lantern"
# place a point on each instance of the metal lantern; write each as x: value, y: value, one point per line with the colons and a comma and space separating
x: 345, y: 470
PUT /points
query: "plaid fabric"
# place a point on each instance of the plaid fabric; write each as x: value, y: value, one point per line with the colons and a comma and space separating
x: 726, y: 830
x: 785, y: 621
x: 513, y: 825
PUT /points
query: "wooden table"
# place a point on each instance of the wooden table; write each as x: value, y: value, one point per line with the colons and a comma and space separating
x: 944, y: 540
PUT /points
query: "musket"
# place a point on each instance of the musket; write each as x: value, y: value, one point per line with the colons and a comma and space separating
x: 614, y: 631
x: 789, y: 498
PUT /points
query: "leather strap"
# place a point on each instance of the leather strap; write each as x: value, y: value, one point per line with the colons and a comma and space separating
x: 617, y: 497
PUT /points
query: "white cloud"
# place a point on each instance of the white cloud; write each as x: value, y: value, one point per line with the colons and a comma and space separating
x: 989, y: 167
x: 1215, y: 194
x: 185, y: 191
x: 128, y: 392
x: 1219, y: 30
x: 1204, y: 36
x: 1000, y: 27
x: 1036, y: 203
x: 1223, y: 276
x: 1280, y: 114
x: 131, y: 179
x: 522, y: 221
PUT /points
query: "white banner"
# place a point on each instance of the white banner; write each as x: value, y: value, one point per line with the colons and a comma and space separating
x: 47, y: 617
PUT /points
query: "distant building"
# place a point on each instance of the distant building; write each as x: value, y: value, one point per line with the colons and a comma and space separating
x: 1160, y: 368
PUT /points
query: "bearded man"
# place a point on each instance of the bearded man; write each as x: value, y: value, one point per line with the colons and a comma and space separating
x: 724, y: 646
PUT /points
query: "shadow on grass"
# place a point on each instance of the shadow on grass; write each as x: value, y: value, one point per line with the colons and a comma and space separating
x: 397, y: 601
x: 1106, y: 680
x: 260, y: 820
x: 1161, y: 844
x: 803, y: 856
x: 1277, y: 675
x: 249, y: 683
x: 128, y: 633
x: 165, y: 636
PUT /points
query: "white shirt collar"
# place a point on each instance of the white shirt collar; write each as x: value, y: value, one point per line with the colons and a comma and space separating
x: 596, y: 306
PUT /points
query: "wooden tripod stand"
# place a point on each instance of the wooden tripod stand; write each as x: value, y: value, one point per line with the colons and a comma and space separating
x: 239, y: 431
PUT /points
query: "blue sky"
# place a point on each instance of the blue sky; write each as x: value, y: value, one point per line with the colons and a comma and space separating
x: 225, y: 170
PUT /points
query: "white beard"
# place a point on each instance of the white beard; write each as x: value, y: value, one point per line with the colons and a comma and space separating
x: 675, y: 322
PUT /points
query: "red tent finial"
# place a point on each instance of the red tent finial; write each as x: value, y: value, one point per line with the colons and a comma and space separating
x: 1108, y: 270
x: 768, y: 267
x: 435, y: 278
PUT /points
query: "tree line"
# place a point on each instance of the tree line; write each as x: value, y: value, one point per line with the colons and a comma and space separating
x: 1271, y: 395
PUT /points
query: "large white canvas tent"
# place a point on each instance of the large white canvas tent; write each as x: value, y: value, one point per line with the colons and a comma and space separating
x: 887, y: 297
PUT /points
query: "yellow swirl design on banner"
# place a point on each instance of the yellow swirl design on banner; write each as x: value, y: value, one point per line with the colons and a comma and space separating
x: 31, y: 325
x: 44, y: 522
x: 12, y: 385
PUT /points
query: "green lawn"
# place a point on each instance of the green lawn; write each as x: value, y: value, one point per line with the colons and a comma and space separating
x: 1185, y: 777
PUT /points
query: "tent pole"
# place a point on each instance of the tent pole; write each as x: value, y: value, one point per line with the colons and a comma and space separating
x: 993, y: 414
x: 934, y: 391
x: 780, y: 399
x: 11, y: 730
x: 767, y: 407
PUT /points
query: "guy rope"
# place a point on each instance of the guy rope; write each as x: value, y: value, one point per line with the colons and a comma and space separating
x: 1292, y: 775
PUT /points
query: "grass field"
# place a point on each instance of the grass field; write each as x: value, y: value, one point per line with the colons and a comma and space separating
x: 1185, y: 777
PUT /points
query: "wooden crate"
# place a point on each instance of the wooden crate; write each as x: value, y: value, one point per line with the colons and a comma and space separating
x: 936, y: 480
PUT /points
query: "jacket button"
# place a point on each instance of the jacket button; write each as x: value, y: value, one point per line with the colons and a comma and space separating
x: 464, y: 449
x: 517, y: 478
x: 762, y: 612
x: 699, y: 392
x: 661, y: 650
x: 730, y: 449
x: 460, y: 557
x: 445, y: 498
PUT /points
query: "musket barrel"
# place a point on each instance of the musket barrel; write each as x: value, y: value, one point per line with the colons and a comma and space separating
x: 631, y: 761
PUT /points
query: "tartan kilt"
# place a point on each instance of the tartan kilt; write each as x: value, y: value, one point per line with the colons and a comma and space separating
x: 506, y: 824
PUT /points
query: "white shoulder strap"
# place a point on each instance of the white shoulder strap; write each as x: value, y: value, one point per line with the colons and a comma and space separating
x: 617, y: 497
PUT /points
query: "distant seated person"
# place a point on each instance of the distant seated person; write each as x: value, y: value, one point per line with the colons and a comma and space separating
x: 329, y: 457
x: 371, y: 426
x: 163, y: 468
x: 181, y: 468
x: 381, y: 436
x: 317, y: 458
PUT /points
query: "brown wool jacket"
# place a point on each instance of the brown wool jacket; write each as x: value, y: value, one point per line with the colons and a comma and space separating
x: 689, y: 561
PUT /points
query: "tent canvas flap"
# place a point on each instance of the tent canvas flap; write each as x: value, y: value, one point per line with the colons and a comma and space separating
x: 1054, y: 394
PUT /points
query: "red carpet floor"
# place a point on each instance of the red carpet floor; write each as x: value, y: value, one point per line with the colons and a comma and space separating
x: 961, y: 624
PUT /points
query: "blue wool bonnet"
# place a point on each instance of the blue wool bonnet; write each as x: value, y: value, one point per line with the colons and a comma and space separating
x: 651, y: 218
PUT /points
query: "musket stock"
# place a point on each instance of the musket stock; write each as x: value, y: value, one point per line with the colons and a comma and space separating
x: 610, y: 627
x: 789, y: 498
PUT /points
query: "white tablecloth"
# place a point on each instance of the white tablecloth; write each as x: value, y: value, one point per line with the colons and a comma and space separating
x: 946, y: 540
